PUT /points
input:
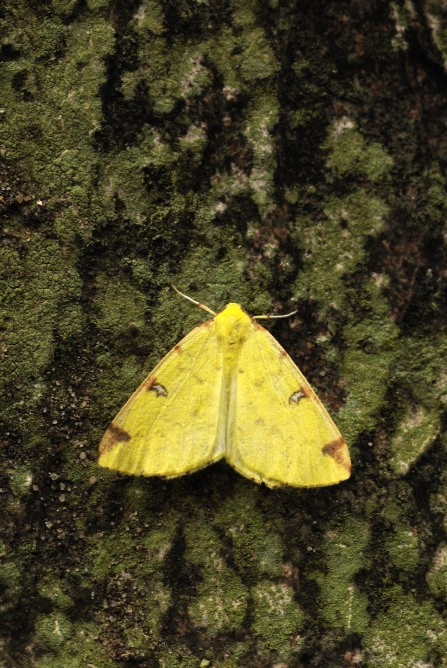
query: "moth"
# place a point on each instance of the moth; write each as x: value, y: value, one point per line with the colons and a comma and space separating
x: 227, y: 390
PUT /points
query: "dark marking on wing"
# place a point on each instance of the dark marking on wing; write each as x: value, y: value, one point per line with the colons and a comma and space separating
x: 178, y: 348
x: 118, y: 434
x: 257, y: 326
x: 283, y: 353
x: 302, y: 393
x: 113, y: 435
x: 159, y: 390
x: 156, y: 387
x: 337, y: 450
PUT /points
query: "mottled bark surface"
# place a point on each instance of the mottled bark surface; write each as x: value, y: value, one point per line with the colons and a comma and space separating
x: 279, y: 154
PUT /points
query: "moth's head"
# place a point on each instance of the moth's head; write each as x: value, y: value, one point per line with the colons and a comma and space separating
x: 234, y: 311
x: 233, y: 315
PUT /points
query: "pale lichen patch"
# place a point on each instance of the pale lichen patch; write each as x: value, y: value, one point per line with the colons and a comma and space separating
x: 414, y: 434
x: 437, y: 575
x: 277, y: 617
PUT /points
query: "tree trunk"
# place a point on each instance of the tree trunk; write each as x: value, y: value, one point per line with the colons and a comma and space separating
x: 276, y: 153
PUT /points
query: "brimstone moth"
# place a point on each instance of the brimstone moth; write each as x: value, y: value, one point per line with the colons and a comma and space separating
x: 227, y: 390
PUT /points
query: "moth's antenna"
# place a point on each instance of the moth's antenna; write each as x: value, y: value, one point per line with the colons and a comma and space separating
x: 205, y: 308
x: 271, y: 317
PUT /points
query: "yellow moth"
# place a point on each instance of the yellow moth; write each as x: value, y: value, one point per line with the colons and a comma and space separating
x: 228, y: 389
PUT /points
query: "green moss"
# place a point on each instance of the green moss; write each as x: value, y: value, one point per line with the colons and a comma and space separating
x: 403, y: 548
x: 53, y: 589
x: 118, y: 381
x: 256, y: 546
x: 63, y: 7
x: 171, y: 70
x: 149, y: 18
x: 244, y: 59
x: 399, y: 502
x: 138, y: 642
x: 136, y: 560
x: 227, y: 285
x: 118, y: 306
x: 31, y: 317
x: 262, y: 116
x: 417, y: 369
x: 10, y: 579
x: 350, y: 155
x: 71, y: 645
x: 367, y: 363
x: 53, y: 630
x: 438, y: 498
x: 403, y: 13
x: 124, y: 178
x: 406, y: 634
x: 172, y: 659
x: 343, y: 604
x: 97, y: 4
x: 221, y: 599
x: 20, y: 481
x: 277, y: 618
x: 54, y: 662
x: 256, y: 60
x: 437, y: 575
x: 194, y: 141
x: 414, y: 434
x: 333, y: 248
x: 437, y: 22
x: 436, y: 193
x: 69, y: 109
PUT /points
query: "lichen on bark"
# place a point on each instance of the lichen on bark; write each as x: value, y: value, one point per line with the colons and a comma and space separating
x: 277, y: 154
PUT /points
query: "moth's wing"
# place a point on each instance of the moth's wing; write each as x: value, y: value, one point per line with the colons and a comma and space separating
x: 170, y: 425
x: 279, y: 432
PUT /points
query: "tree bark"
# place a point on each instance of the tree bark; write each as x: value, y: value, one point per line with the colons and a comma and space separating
x: 278, y: 154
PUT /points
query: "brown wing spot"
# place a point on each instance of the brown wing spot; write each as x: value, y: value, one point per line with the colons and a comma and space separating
x: 178, y: 348
x: 156, y: 387
x: 118, y: 433
x: 338, y: 451
x: 283, y: 353
x: 303, y: 393
x: 113, y: 435
x: 256, y: 325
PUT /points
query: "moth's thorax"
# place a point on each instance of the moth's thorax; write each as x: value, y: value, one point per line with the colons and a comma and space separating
x: 233, y: 326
